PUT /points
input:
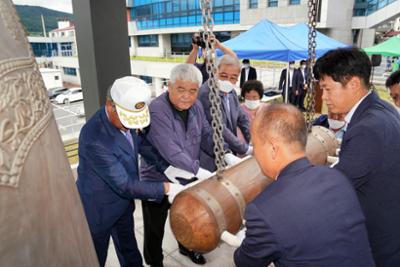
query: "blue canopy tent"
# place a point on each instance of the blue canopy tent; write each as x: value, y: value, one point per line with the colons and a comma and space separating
x: 269, y: 41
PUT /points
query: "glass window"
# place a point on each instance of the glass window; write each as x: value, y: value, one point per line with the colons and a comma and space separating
x: 66, y: 49
x: 253, y: 4
x: 69, y: 71
x: 152, y: 14
x: 294, y: 2
x: 44, y: 49
x: 181, y: 42
x: 147, y: 79
x: 272, y: 3
x: 148, y: 40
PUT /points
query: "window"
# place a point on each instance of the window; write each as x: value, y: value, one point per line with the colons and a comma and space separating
x: 147, y: 79
x: 44, y: 49
x: 272, y: 3
x: 155, y: 14
x: 66, y: 49
x: 253, y: 4
x: 69, y: 71
x: 294, y: 2
x: 181, y: 42
x: 148, y: 40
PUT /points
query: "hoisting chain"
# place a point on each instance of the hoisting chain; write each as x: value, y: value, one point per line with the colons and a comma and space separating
x: 214, y: 97
x: 312, y: 33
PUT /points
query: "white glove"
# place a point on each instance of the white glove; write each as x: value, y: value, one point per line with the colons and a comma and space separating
x: 203, y: 174
x: 234, y: 240
x: 174, y: 189
x: 172, y: 172
x: 231, y: 159
x: 249, y: 150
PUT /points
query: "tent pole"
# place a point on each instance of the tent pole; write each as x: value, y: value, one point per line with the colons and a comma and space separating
x: 287, y: 84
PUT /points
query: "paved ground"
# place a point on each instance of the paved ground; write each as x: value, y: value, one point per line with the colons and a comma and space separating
x: 220, y: 257
x: 69, y: 118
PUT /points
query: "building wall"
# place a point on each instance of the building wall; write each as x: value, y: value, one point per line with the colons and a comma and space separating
x: 68, y: 62
x: 52, y: 78
x: 282, y: 14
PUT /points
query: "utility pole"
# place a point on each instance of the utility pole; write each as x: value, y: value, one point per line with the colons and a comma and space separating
x: 43, y: 26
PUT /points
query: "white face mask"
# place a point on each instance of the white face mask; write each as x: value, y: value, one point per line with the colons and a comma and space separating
x: 291, y: 66
x: 252, y: 104
x: 335, y: 124
x: 246, y: 66
x: 225, y: 86
x: 303, y: 67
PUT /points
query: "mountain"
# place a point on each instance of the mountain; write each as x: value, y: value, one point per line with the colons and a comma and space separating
x: 31, y: 20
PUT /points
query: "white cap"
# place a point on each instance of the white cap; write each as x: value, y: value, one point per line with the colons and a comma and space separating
x: 131, y: 96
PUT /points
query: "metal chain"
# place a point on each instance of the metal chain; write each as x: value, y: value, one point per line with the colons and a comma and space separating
x: 312, y: 33
x: 214, y: 97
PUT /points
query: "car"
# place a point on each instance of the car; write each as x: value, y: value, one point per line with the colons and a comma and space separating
x: 71, y: 95
x: 53, y: 93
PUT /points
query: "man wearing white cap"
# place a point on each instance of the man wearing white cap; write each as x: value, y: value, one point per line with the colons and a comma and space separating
x: 108, y: 175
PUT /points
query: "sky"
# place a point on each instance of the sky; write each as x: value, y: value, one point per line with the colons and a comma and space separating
x: 60, y: 5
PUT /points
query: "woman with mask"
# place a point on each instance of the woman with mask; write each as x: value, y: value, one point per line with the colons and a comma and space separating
x: 334, y: 122
x: 252, y: 92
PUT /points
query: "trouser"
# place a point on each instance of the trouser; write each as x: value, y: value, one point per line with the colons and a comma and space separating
x: 123, y: 235
x: 289, y: 95
x: 154, y: 217
x: 301, y: 99
x: 293, y: 98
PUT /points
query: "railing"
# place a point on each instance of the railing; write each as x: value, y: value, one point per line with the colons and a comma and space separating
x: 71, y: 149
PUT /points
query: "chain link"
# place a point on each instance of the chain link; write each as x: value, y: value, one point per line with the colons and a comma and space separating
x: 214, y: 97
x: 312, y: 44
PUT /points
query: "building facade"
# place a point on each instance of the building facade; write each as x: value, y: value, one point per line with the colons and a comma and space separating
x: 59, y: 51
x: 160, y: 28
x: 163, y: 28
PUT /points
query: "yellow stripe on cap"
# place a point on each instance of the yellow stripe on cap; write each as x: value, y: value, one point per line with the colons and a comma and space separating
x: 129, y: 110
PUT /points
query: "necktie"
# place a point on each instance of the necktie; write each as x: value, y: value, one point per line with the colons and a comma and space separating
x: 129, y: 138
x: 228, y: 111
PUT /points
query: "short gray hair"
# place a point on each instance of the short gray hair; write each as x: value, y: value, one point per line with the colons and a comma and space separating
x: 186, y: 72
x: 228, y: 60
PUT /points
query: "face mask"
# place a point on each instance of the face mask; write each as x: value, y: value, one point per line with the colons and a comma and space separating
x: 246, y: 66
x: 291, y: 66
x: 303, y: 67
x: 335, y: 124
x: 225, y: 86
x: 252, y: 104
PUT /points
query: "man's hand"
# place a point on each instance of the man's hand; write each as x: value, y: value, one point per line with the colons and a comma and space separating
x: 172, y: 172
x: 174, y: 190
x: 249, y: 150
x: 217, y: 44
x: 203, y: 174
x: 231, y: 159
x: 234, y: 240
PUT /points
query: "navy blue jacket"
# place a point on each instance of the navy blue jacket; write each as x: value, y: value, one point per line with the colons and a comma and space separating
x: 108, y: 174
x: 237, y: 118
x: 309, y: 217
x: 370, y: 157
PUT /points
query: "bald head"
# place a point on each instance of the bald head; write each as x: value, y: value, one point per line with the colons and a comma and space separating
x: 281, y: 122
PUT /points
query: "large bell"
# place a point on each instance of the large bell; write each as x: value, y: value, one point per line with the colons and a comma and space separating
x: 201, y: 213
x: 41, y: 217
